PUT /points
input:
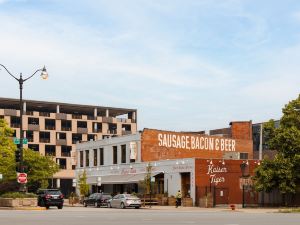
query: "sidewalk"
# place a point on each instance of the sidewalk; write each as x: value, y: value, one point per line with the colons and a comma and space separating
x: 195, y: 209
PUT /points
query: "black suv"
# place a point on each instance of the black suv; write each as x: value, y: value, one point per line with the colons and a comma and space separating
x: 97, y: 200
x: 50, y: 197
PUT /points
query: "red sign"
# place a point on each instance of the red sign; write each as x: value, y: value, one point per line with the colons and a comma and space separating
x: 22, y: 178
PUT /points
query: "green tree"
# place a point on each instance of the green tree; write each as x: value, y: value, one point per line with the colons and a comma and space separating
x: 39, y: 168
x: 282, y: 173
x: 145, y: 184
x: 83, y: 186
x: 7, y: 152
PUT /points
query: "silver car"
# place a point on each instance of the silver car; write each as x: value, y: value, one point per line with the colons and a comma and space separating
x: 124, y: 200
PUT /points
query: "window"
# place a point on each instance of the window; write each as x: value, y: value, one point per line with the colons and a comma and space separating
x: 87, y: 158
x: 76, y: 138
x: 29, y: 135
x: 33, y: 121
x: 45, y: 137
x: 49, y: 124
x: 95, y: 157
x: 82, y: 124
x: 101, y: 156
x: 50, y: 150
x: 123, y: 153
x: 62, y: 163
x: 15, y: 121
x: 66, y: 125
x: 243, y: 155
x: 81, y: 159
x: 66, y: 150
x: 97, y: 127
x: 34, y: 147
x: 115, y: 154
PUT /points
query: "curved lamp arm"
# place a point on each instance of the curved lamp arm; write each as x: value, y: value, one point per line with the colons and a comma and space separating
x: 9, y: 72
x: 33, y: 74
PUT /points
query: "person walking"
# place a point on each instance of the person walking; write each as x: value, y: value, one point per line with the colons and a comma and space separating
x: 178, y: 198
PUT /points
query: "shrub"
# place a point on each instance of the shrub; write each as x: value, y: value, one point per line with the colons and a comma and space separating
x: 18, y: 195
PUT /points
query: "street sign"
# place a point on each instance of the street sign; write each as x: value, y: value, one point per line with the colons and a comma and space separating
x: 1, y: 176
x: 17, y: 141
x: 74, y: 183
x: 22, y: 178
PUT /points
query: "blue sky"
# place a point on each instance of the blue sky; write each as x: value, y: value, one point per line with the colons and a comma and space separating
x: 184, y: 64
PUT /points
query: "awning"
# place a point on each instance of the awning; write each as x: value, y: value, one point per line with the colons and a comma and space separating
x: 119, y: 179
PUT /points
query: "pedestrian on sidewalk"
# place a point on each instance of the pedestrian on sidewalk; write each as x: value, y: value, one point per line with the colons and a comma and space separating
x: 178, y: 198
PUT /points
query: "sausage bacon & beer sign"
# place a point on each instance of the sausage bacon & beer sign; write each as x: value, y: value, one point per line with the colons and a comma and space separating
x: 196, y: 142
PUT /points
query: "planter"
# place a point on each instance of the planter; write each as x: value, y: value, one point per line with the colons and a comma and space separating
x: 18, y: 202
x: 188, y: 202
x: 172, y: 201
x: 164, y: 201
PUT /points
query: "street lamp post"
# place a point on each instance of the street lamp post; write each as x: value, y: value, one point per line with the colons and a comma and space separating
x: 245, y: 174
x: 21, y: 81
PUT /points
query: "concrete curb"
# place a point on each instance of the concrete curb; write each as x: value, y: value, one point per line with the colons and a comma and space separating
x: 23, y: 208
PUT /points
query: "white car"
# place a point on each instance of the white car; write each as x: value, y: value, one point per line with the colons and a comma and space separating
x: 124, y: 200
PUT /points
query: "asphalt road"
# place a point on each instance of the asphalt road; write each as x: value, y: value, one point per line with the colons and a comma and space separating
x: 95, y: 216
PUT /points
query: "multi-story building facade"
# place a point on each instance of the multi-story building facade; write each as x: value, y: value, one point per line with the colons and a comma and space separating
x: 53, y: 129
x: 193, y: 162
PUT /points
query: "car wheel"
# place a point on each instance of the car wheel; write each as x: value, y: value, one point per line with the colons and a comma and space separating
x: 47, y: 206
x: 137, y: 207
x: 123, y: 206
x: 60, y: 206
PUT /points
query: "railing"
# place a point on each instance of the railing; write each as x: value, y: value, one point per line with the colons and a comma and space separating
x: 61, y: 116
x: 66, y: 128
x: 82, y: 130
x: 15, y: 125
x: 45, y: 140
x: 76, y: 116
x: 34, y: 127
x: 126, y: 132
x: 10, y: 112
x: 61, y: 142
x: 66, y: 154
x: 45, y: 114
x: 50, y: 127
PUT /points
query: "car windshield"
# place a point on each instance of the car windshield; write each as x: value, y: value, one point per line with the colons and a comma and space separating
x: 106, y: 196
x: 129, y: 196
x: 54, y: 192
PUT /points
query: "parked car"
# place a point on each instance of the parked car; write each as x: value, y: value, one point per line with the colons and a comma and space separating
x: 125, y: 200
x: 97, y: 200
x: 50, y: 197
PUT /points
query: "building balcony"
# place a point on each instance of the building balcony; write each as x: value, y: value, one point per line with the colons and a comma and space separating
x: 61, y: 142
x: 49, y: 127
x: 15, y: 125
x: 126, y: 132
x: 34, y: 127
x: 61, y: 116
x: 45, y: 140
x: 10, y: 112
x: 66, y: 128
x: 107, y: 119
x: 81, y: 130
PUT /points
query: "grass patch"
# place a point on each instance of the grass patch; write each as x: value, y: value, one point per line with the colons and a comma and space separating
x: 290, y: 210
x: 18, y: 195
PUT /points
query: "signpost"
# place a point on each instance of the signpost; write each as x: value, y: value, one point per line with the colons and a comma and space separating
x: 17, y: 141
x: 22, y: 178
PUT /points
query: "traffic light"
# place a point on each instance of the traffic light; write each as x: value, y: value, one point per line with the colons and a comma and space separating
x: 18, y: 155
